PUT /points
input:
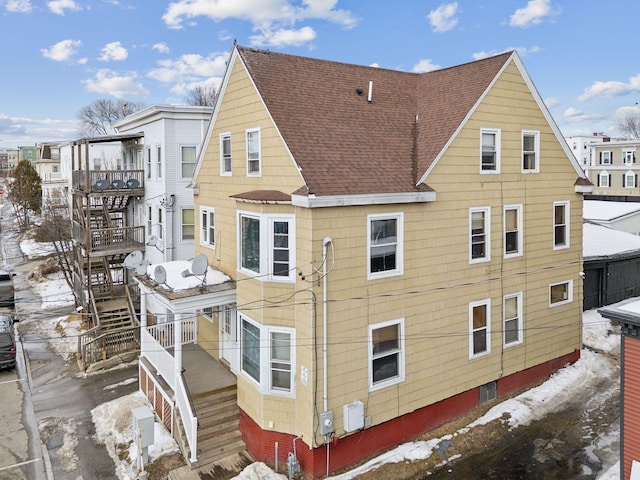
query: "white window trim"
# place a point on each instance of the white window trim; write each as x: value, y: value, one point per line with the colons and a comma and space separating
x: 401, y: 357
x: 567, y: 215
x: 206, y: 315
x: 629, y: 175
x: 223, y: 172
x: 518, y: 208
x: 264, y: 386
x: 603, y: 175
x: 205, y: 241
x: 246, y: 139
x: 158, y: 161
x: 569, y: 293
x: 487, y: 229
x: 487, y: 302
x: 498, y: 135
x: 517, y: 295
x: 181, y: 162
x: 609, y: 159
x: 536, y: 134
x: 626, y: 151
x: 266, y: 239
x: 399, y: 270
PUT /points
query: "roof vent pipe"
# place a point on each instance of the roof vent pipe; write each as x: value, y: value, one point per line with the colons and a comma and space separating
x: 370, y: 91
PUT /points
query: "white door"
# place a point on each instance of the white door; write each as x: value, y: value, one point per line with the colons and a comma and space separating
x: 229, y: 345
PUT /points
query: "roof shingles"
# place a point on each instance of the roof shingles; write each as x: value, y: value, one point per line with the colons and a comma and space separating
x: 345, y: 145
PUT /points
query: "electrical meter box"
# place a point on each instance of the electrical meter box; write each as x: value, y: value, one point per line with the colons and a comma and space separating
x: 353, y: 414
x: 143, y: 424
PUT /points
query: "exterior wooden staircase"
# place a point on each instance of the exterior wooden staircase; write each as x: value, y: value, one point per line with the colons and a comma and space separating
x: 218, y: 434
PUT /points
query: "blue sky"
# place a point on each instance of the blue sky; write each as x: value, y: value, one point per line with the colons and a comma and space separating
x: 58, y: 56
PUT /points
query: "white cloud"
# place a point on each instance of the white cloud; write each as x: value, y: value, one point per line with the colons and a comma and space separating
x: 552, y: 102
x: 190, y: 68
x: 443, y: 18
x: 62, y: 51
x: 113, y: 51
x: 119, y: 86
x: 610, y: 89
x: 271, y: 19
x: 522, y: 51
x: 59, y: 6
x: 18, y: 6
x: 573, y: 115
x: 161, y: 47
x: 425, y: 65
x: 283, y: 37
x: 533, y: 14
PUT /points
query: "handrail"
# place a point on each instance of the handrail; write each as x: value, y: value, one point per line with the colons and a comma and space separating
x: 189, y: 420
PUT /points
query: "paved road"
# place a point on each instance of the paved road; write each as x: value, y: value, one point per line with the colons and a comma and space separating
x: 46, y: 402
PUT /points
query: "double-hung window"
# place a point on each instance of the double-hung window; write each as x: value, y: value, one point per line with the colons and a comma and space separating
x: 479, y: 238
x: 385, y: 245
x: 605, y: 158
x: 490, y: 150
x: 386, y: 354
x: 271, y: 368
x: 160, y: 224
x: 513, y: 236
x: 188, y: 224
x: 149, y: 219
x: 629, y: 157
x: 267, y: 246
x: 479, y: 328
x: 604, y: 179
x: 560, y: 293
x: 207, y: 227
x: 560, y: 225
x: 148, y: 152
x: 225, y: 154
x: 253, y: 152
x: 630, y: 180
x: 159, y: 162
x: 187, y: 161
x: 530, y: 151
x: 512, y: 321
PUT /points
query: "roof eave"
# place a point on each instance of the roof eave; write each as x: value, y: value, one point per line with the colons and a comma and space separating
x: 312, y: 201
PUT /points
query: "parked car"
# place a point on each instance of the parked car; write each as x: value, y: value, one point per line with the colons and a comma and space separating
x: 7, y: 291
x: 7, y: 343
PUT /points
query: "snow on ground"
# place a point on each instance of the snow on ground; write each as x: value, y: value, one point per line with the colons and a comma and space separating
x: 114, y: 425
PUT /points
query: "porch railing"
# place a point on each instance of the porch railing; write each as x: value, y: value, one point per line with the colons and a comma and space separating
x: 106, y: 345
x: 189, y: 419
x: 160, y: 358
x: 164, y: 333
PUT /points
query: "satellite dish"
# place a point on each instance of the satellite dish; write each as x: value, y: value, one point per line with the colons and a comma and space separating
x: 141, y: 268
x: 160, y: 274
x: 200, y: 264
x: 133, y: 259
x: 153, y: 240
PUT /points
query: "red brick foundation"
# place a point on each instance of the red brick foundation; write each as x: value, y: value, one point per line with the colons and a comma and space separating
x: 371, y: 441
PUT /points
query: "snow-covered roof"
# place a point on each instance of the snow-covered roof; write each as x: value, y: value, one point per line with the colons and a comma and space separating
x: 599, y: 210
x: 599, y: 241
x: 176, y: 281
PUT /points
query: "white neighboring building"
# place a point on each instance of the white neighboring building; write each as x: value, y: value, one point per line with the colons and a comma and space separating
x: 173, y: 136
x: 622, y: 216
x: 581, y: 147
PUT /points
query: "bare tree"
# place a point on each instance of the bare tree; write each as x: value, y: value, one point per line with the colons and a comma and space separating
x: 25, y: 192
x: 56, y: 229
x: 96, y: 119
x: 629, y: 126
x: 202, y: 95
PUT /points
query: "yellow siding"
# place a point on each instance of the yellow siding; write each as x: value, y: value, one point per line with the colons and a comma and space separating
x: 438, y: 283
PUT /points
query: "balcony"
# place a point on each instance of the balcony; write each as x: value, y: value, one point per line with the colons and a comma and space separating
x: 109, y: 182
x: 108, y: 241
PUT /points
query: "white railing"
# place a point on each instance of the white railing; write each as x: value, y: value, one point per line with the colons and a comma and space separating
x: 162, y: 360
x: 189, y: 420
x: 164, y: 333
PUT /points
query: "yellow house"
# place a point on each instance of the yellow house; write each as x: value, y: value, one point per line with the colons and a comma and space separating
x: 403, y: 248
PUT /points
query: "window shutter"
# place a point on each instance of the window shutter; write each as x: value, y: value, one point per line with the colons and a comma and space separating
x: 635, y: 180
x: 598, y: 180
x: 609, y: 180
x: 600, y: 158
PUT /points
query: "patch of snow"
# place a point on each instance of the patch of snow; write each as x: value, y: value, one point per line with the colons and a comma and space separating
x: 54, y: 292
x: 32, y: 249
x: 599, y: 241
x: 605, y: 211
x: 175, y: 280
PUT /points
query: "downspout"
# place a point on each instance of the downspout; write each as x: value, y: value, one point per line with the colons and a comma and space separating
x: 325, y: 400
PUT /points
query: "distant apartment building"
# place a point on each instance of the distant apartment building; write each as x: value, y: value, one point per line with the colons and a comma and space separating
x: 28, y: 153
x: 613, y: 170
x: 580, y: 146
